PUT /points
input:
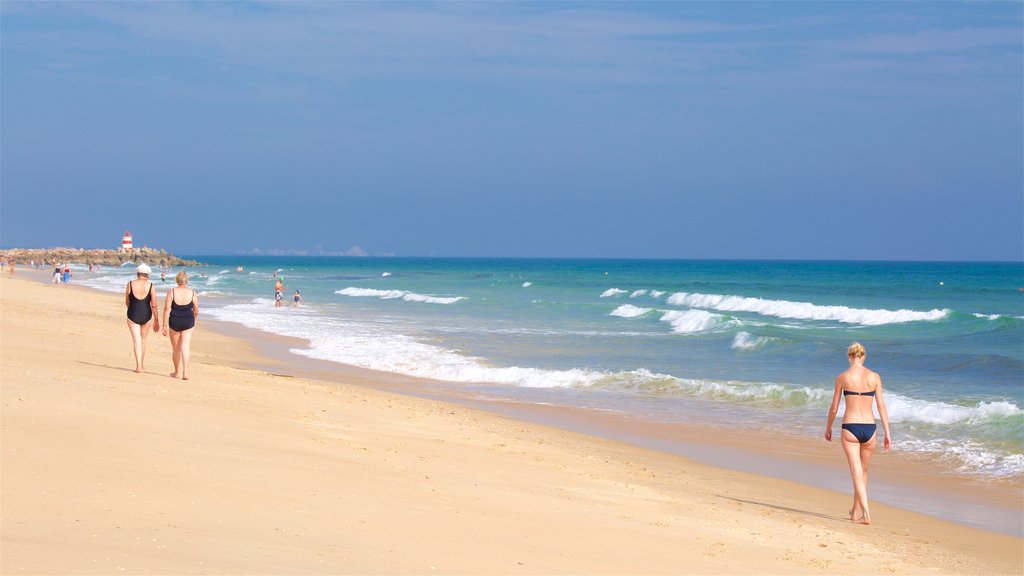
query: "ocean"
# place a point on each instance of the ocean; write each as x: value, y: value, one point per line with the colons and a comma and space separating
x: 749, y: 345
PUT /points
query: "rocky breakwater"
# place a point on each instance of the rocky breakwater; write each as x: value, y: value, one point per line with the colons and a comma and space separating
x: 150, y: 256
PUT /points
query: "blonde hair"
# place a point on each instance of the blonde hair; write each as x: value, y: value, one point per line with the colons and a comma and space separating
x: 181, y: 278
x: 856, y: 350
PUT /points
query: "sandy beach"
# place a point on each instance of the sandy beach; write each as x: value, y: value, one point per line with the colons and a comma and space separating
x: 243, y: 470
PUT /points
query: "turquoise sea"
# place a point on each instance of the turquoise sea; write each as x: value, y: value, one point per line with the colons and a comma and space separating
x: 748, y: 344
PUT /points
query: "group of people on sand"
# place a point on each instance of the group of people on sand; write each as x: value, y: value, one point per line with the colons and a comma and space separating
x: 181, y: 307
x: 61, y: 275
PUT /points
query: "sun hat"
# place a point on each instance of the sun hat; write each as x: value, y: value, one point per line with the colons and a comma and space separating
x: 144, y: 269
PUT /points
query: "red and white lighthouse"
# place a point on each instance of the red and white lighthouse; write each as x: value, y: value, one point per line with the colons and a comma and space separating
x: 126, y: 242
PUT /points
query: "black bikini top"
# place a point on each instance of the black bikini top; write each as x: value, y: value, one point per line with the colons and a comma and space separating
x: 852, y: 393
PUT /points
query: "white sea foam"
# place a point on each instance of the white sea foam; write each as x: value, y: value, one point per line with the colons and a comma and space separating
x: 612, y: 292
x: 385, y: 274
x: 803, y: 310
x: 786, y: 395
x: 691, y: 321
x: 369, y: 347
x: 403, y: 294
x: 106, y: 282
x: 527, y: 284
x: 968, y: 456
x: 637, y: 293
x: 904, y: 409
x: 989, y: 316
x: 629, y: 311
x: 657, y: 293
x: 747, y: 341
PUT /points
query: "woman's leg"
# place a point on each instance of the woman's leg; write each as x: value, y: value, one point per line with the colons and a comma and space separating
x: 186, y: 345
x: 852, y: 448
x: 143, y: 332
x: 136, y: 332
x: 175, y: 352
x: 866, y: 450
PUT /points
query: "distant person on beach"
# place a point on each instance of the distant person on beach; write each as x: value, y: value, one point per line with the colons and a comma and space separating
x: 57, y: 278
x: 296, y: 298
x: 10, y: 267
x: 67, y: 272
x: 859, y: 386
x: 278, y: 292
x: 141, y: 309
x: 180, y: 311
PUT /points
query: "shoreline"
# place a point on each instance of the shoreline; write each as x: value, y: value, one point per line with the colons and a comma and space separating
x: 904, y: 480
x: 269, y: 462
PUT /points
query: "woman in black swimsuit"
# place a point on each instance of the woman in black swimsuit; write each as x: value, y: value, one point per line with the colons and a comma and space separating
x: 180, y: 311
x: 140, y: 311
x: 861, y: 388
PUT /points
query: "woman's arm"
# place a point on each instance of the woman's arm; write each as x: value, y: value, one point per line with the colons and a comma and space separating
x: 195, y: 304
x: 883, y: 413
x: 167, y: 308
x: 156, y: 309
x: 833, y: 409
x: 127, y: 289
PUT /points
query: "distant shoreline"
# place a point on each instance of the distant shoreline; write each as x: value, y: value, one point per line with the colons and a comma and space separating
x: 101, y: 257
x: 600, y: 258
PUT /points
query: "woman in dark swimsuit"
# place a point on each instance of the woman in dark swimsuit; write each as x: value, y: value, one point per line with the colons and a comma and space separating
x: 140, y: 311
x: 180, y: 311
x: 859, y: 386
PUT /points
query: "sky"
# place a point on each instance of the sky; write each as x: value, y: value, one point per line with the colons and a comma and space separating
x: 788, y: 130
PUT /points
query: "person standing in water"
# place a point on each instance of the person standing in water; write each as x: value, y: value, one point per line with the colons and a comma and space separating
x: 141, y: 309
x: 859, y: 386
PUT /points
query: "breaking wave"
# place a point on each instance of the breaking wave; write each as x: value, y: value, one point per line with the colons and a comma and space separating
x: 803, y: 310
x: 394, y: 294
x: 629, y: 311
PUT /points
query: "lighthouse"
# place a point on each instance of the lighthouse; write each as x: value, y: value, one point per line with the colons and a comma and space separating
x: 126, y: 242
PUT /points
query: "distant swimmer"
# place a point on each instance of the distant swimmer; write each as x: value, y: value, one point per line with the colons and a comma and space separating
x: 296, y: 298
x: 278, y: 292
x: 239, y: 269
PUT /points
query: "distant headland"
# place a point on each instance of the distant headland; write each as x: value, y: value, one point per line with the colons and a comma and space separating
x: 127, y: 252
x: 100, y: 257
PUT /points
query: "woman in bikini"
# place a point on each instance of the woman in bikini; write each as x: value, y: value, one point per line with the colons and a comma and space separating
x: 859, y: 386
x: 180, y: 311
x: 141, y: 309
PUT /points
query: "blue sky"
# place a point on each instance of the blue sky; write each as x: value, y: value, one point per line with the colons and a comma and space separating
x: 800, y: 130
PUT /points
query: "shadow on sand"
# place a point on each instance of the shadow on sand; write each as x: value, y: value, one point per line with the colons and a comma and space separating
x: 787, y: 509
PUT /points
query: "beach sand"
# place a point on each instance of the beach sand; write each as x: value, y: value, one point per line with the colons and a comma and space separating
x: 243, y: 471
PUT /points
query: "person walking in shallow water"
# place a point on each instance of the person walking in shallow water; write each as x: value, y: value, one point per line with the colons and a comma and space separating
x: 141, y: 309
x: 859, y: 386
x: 180, y: 311
x: 278, y: 291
